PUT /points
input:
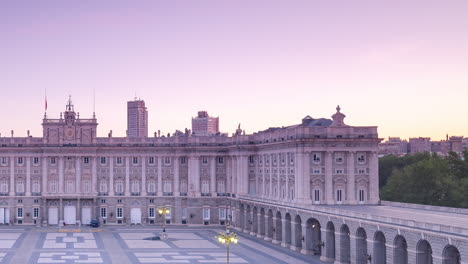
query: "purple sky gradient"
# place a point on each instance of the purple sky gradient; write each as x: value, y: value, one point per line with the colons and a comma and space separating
x: 401, y: 65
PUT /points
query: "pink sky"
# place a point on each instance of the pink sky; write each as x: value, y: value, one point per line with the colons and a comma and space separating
x: 400, y: 65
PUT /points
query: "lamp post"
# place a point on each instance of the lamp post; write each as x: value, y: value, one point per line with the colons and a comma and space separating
x: 226, y: 239
x: 163, y: 211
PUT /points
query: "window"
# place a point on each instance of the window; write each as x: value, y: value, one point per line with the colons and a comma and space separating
x: 135, y: 160
x: 70, y: 186
x: 361, y: 171
x: 167, y: 160
x: 103, y: 186
x: 119, y: 186
x: 53, y: 186
x: 220, y: 160
x: 151, y: 186
x: 103, y: 201
x: 119, y: 201
x: 20, y: 160
x: 167, y: 186
x: 20, y: 186
x: 361, y: 158
x: 183, y: 160
x: 119, y: 212
x: 36, y: 160
x: 20, y: 201
x: 4, y: 186
x: 19, y: 212
x: 36, y: 186
x: 205, y: 186
x: 221, y: 186
x: 339, y: 171
x: 4, y: 160
x: 317, y: 195
x: 86, y: 186
x: 103, y: 160
x: 36, y: 201
x: 205, y: 160
x: 135, y: 186
x: 316, y: 157
x: 338, y: 195
x: 184, y: 212
x: 251, y: 159
x: 151, y: 160
x: 222, y: 213
x: 103, y: 212
x: 119, y: 160
x: 206, y: 213
x: 151, y: 212
x: 316, y: 171
x: 338, y: 157
x: 86, y: 160
x: 151, y: 201
x: 35, y: 212
x: 53, y: 160
x: 361, y: 196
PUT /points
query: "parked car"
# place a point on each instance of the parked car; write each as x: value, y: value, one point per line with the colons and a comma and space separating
x: 94, y: 223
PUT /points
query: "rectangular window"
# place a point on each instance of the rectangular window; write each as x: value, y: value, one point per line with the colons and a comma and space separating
x: 220, y: 160
x: 361, y: 171
x: 316, y: 171
x: 339, y: 171
x: 317, y: 195
x: 183, y: 160
x: 103, y: 160
x: 205, y: 160
x: 151, y: 160
x: 53, y: 160
x: 36, y: 160
x: 86, y: 160
x: 103, y: 212
x: 184, y: 213
x: 167, y: 160
x: 361, y: 195
x: 119, y: 160
x: 206, y: 213
x: 251, y: 159
x: 103, y: 201
x: 151, y: 212
x: 316, y: 157
x: 151, y: 201
x: 119, y: 212
x: 222, y: 213
x: 338, y: 195
x: 20, y: 160
x: 4, y: 160
x: 135, y: 160
x: 19, y: 212
x: 119, y: 201
x: 36, y: 201
x: 35, y: 212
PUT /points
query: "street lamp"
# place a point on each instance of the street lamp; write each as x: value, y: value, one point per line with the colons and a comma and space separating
x: 226, y: 239
x: 163, y: 211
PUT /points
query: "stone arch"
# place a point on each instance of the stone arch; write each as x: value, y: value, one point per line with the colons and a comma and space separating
x: 255, y: 220
x: 288, y: 230
x: 380, y: 252
x: 3, y: 203
x: 269, y: 231
x: 400, y: 250
x: 423, y: 252
x: 451, y: 255
x: 345, y: 244
x: 298, y: 236
x: 262, y: 222
x: 330, y: 241
x: 361, y: 246
x: 278, y: 227
x: 313, y: 237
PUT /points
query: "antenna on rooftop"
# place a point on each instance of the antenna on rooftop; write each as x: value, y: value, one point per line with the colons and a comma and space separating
x: 94, y: 103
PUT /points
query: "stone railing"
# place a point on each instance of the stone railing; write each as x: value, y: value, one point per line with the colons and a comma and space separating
x: 427, y: 207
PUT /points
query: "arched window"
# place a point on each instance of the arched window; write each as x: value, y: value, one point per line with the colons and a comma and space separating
x: 167, y: 186
x: 70, y: 186
x: 86, y: 186
x: 20, y: 186
x: 205, y: 186
x: 103, y: 186
x: 3, y: 186
x: 221, y: 186
x: 135, y: 186
x: 36, y: 186
x: 183, y: 186
x: 53, y: 186
x: 119, y: 186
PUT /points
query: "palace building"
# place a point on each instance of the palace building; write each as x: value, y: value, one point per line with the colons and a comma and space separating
x: 70, y: 175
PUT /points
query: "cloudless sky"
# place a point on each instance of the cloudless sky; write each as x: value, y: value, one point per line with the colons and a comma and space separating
x: 400, y: 65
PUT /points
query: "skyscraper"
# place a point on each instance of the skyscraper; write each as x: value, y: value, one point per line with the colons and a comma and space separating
x: 204, y: 125
x: 137, y: 119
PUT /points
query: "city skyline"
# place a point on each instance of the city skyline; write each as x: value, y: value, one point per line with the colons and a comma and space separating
x: 241, y: 62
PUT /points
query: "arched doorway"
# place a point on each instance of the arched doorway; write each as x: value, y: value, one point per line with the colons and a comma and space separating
x: 361, y: 246
x: 380, y: 253
x: 330, y: 242
x: 270, y: 225
x: 400, y: 251
x: 241, y: 217
x: 451, y: 255
x: 288, y: 230
x: 255, y: 220
x: 262, y: 222
x: 345, y: 245
x: 313, y: 236
x: 248, y: 219
x: 298, y: 233
x: 423, y: 252
x: 278, y: 228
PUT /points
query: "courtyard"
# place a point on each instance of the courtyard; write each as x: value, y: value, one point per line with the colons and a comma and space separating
x: 132, y: 244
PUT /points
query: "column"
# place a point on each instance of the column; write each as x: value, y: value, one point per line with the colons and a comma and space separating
x: 28, y: 176
x: 267, y: 228
x: 263, y: 177
x: 160, y: 193
x: 288, y: 169
x: 257, y: 186
x: 44, y: 177
x: 111, y: 176
x: 283, y: 232
x: 278, y: 173
x: 127, y: 176
x: 176, y: 176
x: 275, y: 230
x: 228, y: 174
x: 240, y: 176
x: 259, y: 226
x: 196, y: 175
x: 78, y: 175
x: 94, y: 175
x: 143, y: 176
x: 306, y: 178
x: 61, y: 175
x: 328, y: 178
x: 351, y: 193
x: 60, y: 210
x: 304, y: 242
x: 234, y: 175
x: 298, y: 177
x: 213, y: 176
x: 271, y: 175
x: 12, y: 176
x: 373, y: 178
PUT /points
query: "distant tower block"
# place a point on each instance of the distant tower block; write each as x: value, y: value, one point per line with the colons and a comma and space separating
x: 204, y: 125
x: 137, y: 119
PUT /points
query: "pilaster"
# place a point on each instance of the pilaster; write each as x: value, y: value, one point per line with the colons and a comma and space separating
x: 160, y: 191
x: 143, y: 176
x: 78, y: 175
x: 111, y: 176
x: 351, y: 193
x: 213, y: 176
x: 12, y: 175
x: 329, y: 178
x: 176, y: 176
x: 127, y: 176
x: 28, y: 176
